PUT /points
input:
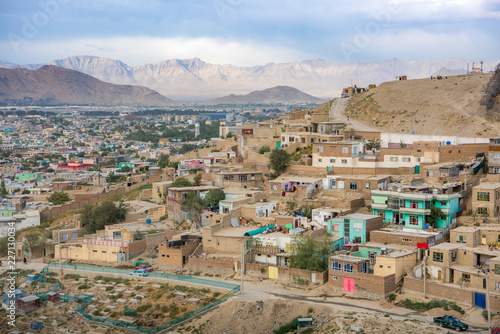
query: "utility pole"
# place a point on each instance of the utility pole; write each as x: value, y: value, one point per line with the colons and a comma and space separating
x: 242, y: 264
x: 412, y: 122
x: 59, y: 244
x: 425, y: 275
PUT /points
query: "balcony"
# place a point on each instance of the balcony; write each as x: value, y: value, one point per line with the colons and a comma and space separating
x: 379, y: 206
x: 415, y: 210
x: 266, y: 249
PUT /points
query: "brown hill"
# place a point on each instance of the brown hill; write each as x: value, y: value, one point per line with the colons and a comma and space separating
x: 450, y: 106
x: 52, y: 85
x: 271, y: 95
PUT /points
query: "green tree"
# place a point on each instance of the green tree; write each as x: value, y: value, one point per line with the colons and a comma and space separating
x: 58, y: 198
x: 213, y: 197
x: 264, y: 149
x: 197, y: 179
x: 107, y: 213
x: 194, y: 204
x: 33, y: 240
x: 125, y: 169
x: 229, y: 135
x: 25, y: 192
x: 3, y: 191
x: 279, y: 160
x: 163, y: 161
x: 373, y: 143
x: 311, y: 254
x: 433, y: 217
x: 181, y: 182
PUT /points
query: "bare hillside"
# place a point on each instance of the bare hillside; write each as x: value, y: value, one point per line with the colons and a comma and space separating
x: 441, y: 107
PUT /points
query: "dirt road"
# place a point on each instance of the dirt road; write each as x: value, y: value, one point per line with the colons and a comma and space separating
x: 337, y: 113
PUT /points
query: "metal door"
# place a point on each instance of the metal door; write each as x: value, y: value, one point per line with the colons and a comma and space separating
x: 349, y: 284
x: 480, y: 300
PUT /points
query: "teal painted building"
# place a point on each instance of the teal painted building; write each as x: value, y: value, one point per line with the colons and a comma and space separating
x: 411, y: 208
x: 354, y: 228
x: 26, y: 176
x: 128, y: 164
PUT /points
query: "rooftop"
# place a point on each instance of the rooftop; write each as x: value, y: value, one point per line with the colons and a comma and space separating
x: 234, y: 231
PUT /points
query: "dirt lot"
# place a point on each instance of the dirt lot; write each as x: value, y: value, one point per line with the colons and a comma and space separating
x: 445, y: 107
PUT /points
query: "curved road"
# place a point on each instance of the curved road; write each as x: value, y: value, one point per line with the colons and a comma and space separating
x: 337, y: 113
x: 256, y: 291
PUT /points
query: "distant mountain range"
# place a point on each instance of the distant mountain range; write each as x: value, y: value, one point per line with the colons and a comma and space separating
x: 52, y: 85
x: 270, y: 95
x: 196, y: 80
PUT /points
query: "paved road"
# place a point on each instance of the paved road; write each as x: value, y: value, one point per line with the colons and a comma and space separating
x: 337, y: 113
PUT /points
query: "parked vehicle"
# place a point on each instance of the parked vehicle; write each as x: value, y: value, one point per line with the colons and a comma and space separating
x: 145, y: 267
x: 344, y: 95
x: 451, y: 322
x: 140, y: 272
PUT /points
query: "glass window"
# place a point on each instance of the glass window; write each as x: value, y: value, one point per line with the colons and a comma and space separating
x: 74, y: 235
x: 413, y: 220
x: 461, y: 239
x: 345, y: 149
x: 482, y: 211
x: 344, y: 161
x: 405, y: 159
x: 483, y: 196
x: 336, y: 265
x: 367, y: 185
x: 363, y: 267
x: 357, y: 226
x: 348, y: 267
x: 64, y: 236
x: 497, y: 285
x: 353, y: 185
x: 393, y: 159
x: 320, y: 160
x: 332, y: 161
x: 466, y: 278
x: 320, y: 149
x: 437, y: 257
x: 453, y: 256
x: 497, y: 269
x: 430, y: 173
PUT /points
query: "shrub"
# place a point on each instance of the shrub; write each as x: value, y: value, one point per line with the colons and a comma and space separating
x: 144, y: 307
x: 289, y: 327
x: 138, y: 287
x: 392, y: 297
x: 216, y: 294
x: 83, y: 287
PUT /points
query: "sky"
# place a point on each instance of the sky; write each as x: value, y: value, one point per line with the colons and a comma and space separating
x: 249, y: 32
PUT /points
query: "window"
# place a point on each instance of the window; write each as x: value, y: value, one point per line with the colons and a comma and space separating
x: 104, y: 251
x: 372, y: 255
x: 393, y: 159
x: 466, y: 278
x: 117, y: 234
x: 332, y: 161
x: 418, y: 159
x: 497, y: 142
x: 497, y: 285
x: 406, y: 159
x: 345, y: 149
x: 303, y: 140
x: 335, y: 278
x: 274, y: 187
x: 335, y: 229
x: 381, y: 214
x: 64, y: 236
x: 496, y: 170
x: 482, y: 211
x: 320, y: 149
x: 357, y: 226
x: 497, y: 269
x: 344, y: 161
x: 367, y: 185
x: 94, y: 251
x: 483, y: 196
x: 413, y: 220
x: 430, y: 173
x: 363, y: 267
x: 74, y: 235
x: 353, y: 185
x: 453, y: 256
x: 437, y: 257
x: 336, y: 265
x: 414, y: 204
x: 407, y: 239
x: 461, y: 239
x: 320, y: 160
x: 348, y: 267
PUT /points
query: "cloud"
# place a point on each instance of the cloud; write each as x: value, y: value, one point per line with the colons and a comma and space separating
x: 140, y: 50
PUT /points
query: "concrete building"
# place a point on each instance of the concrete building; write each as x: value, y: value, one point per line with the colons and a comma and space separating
x: 410, y: 205
x: 354, y: 228
x: 486, y: 199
